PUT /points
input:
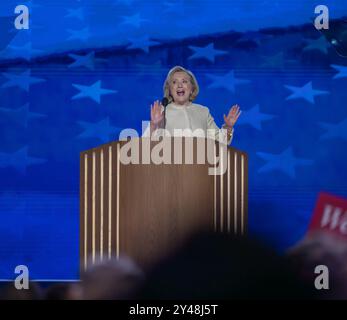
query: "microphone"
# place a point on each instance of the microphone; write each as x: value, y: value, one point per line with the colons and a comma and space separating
x: 164, y: 102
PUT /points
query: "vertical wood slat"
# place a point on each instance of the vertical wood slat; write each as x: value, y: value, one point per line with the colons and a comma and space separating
x: 89, y: 230
x: 242, y: 191
x: 114, y: 201
x: 83, y: 208
x: 86, y: 208
x: 231, y: 192
x: 236, y: 178
x: 93, y: 207
x: 226, y: 195
x: 215, y: 194
x: 228, y: 192
x: 221, y: 189
x: 117, y: 203
x: 96, y: 205
x: 218, y: 193
x: 101, y: 202
x: 105, y: 180
x: 110, y: 203
x: 103, y: 212
x: 239, y: 195
x: 244, y: 185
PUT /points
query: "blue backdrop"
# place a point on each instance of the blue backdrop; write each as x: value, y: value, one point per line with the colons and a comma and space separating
x: 87, y: 69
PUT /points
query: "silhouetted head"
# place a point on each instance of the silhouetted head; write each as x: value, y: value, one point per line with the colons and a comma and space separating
x: 218, y: 266
x: 109, y: 280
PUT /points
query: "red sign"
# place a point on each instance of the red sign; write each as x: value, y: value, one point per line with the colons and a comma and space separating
x: 330, y: 215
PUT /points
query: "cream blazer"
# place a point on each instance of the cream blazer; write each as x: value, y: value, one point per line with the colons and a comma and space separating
x: 193, y: 117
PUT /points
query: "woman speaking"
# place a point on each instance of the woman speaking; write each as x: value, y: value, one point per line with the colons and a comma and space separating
x: 180, y: 90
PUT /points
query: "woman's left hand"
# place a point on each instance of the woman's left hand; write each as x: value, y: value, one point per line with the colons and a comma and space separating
x: 233, y: 115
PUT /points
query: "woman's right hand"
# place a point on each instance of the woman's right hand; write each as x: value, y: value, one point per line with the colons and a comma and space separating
x: 157, y: 115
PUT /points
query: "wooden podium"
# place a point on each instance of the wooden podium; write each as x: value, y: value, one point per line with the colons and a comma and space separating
x: 144, y: 209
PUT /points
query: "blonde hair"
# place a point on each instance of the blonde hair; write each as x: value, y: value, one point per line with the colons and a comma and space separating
x: 194, y: 82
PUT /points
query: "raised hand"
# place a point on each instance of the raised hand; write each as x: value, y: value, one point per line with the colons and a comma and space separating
x: 233, y: 115
x: 157, y: 115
